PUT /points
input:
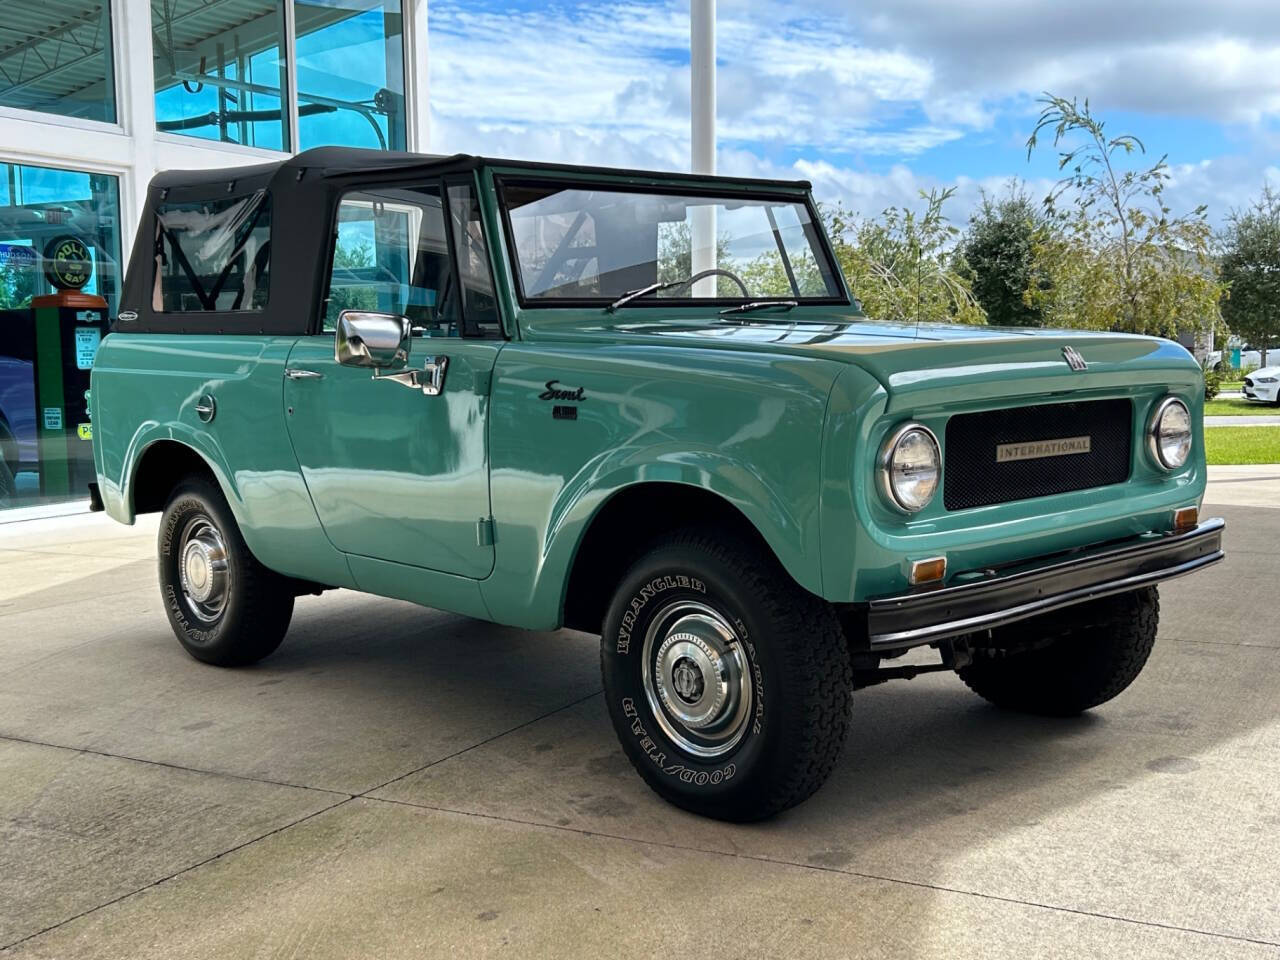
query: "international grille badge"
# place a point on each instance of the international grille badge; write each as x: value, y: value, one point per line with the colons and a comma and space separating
x: 1073, y: 358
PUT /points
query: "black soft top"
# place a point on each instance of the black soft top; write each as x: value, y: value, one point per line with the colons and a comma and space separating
x: 303, y: 192
x: 338, y: 162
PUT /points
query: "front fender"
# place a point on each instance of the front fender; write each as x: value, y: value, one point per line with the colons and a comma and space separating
x: 746, y: 428
x: 535, y: 596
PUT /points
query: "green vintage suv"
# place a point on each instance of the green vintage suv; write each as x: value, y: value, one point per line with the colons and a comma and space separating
x: 645, y: 406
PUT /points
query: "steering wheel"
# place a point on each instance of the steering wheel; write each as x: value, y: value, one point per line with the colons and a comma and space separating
x: 715, y: 272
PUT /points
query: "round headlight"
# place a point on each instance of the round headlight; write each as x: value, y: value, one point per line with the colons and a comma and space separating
x: 910, y: 467
x: 1170, y: 433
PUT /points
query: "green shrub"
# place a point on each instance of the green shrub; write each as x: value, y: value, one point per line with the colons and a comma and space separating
x: 1212, y: 383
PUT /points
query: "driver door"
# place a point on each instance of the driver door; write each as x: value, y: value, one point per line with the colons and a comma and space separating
x: 395, y: 473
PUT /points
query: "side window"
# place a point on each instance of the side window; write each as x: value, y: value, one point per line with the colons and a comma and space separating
x: 213, y: 254
x: 480, y: 304
x: 391, y: 254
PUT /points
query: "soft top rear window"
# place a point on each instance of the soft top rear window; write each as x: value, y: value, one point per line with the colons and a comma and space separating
x: 213, y: 255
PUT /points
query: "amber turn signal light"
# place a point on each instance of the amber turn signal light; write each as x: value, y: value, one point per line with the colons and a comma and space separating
x: 928, y: 571
x: 1185, y: 519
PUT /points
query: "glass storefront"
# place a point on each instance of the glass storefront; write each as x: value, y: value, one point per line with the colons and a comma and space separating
x: 350, y: 73
x: 281, y: 75
x: 59, y: 281
x: 219, y: 70
x: 56, y: 58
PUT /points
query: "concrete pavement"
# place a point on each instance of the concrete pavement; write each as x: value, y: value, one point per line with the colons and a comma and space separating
x: 399, y: 782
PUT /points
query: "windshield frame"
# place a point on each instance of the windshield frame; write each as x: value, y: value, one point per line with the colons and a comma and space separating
x: 780, y: 193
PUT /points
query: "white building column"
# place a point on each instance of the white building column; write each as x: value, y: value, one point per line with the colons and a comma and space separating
x: 416, y: 76
x: 702, y: 114
x: 136, y: 106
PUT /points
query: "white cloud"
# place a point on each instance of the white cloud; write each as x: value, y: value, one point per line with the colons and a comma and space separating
x: 1217, y: 60
x: 859, y: 93
x: 623, y: 67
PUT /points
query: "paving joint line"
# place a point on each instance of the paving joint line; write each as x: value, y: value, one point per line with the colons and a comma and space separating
x: 73, y: 555
x: 940, y: 888
x: 346, y: 794
x: 177, y: 873
x: 346, y: 798
x: 1226, y: 643
x: 78, y: 601
x: 57, y: 653
x: 481, y: 743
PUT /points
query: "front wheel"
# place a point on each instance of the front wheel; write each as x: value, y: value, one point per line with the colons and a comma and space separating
x: 225, y: 607
x: 1068, y: 662
x: 727, y: 683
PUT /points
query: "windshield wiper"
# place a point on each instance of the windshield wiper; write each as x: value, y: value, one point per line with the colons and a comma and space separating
x: 630, y: 295
x: 761, y: 305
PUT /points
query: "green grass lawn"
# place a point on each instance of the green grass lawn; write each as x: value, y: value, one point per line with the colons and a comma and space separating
x: 1232, y: 386
x: 1231, y: 445
x: 1227, y: 407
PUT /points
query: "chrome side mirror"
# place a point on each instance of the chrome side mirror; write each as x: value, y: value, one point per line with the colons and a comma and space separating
x: 377, y: 340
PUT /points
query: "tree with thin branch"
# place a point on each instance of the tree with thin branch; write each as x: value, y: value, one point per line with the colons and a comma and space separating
x: 1115, y: 256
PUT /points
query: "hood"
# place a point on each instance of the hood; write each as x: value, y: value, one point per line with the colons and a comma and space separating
x: 920, y: 365
x: 1264, y: 372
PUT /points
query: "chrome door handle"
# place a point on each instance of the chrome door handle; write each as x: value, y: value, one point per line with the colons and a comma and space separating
x: 293, y: 373
x: 430, y: 379
x: 434, y: 368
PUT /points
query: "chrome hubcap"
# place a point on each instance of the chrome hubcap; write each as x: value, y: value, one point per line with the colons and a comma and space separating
x: 696, y: 678
x: 202, y: 568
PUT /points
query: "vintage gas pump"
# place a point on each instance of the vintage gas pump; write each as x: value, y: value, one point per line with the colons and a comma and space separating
x: 69, y: 325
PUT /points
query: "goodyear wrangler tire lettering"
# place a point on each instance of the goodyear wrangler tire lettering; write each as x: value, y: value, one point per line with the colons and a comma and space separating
x: 659, y: 759
x: 647, y: 593
x: 699, y: 629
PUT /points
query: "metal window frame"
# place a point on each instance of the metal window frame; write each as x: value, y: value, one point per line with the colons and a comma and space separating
x: 619, y: 182
x: 115, y: 20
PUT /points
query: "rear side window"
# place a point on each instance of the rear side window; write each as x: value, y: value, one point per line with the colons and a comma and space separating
x: 213, y: 255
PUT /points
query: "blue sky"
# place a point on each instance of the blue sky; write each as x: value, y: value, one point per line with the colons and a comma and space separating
x: 872, y: 100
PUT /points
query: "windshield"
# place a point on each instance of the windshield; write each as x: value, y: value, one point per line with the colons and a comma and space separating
x: 575, y: 243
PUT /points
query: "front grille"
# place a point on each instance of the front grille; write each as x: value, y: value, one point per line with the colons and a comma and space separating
x: 1248, y: 381
x: 971, y: 476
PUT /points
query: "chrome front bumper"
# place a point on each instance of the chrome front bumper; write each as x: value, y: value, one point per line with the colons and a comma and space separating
x: 984, y: 599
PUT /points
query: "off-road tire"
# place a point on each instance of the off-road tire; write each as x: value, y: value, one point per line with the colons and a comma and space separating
x: 799, y: 677
x: 258, y: 603
x: 1091, y: 653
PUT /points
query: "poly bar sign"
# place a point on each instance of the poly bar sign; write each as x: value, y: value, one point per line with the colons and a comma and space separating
x: 87, y: 340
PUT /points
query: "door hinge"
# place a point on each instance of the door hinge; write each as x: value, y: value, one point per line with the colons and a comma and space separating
x: 484, y: 532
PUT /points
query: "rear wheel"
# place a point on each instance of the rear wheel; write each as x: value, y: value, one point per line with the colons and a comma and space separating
x: 728, y: 685
x: 1070, y: 661
x: 224, y: 606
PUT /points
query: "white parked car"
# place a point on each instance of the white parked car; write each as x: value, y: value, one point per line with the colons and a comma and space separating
x: 1248, y: 358
x: 1263, y: 384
